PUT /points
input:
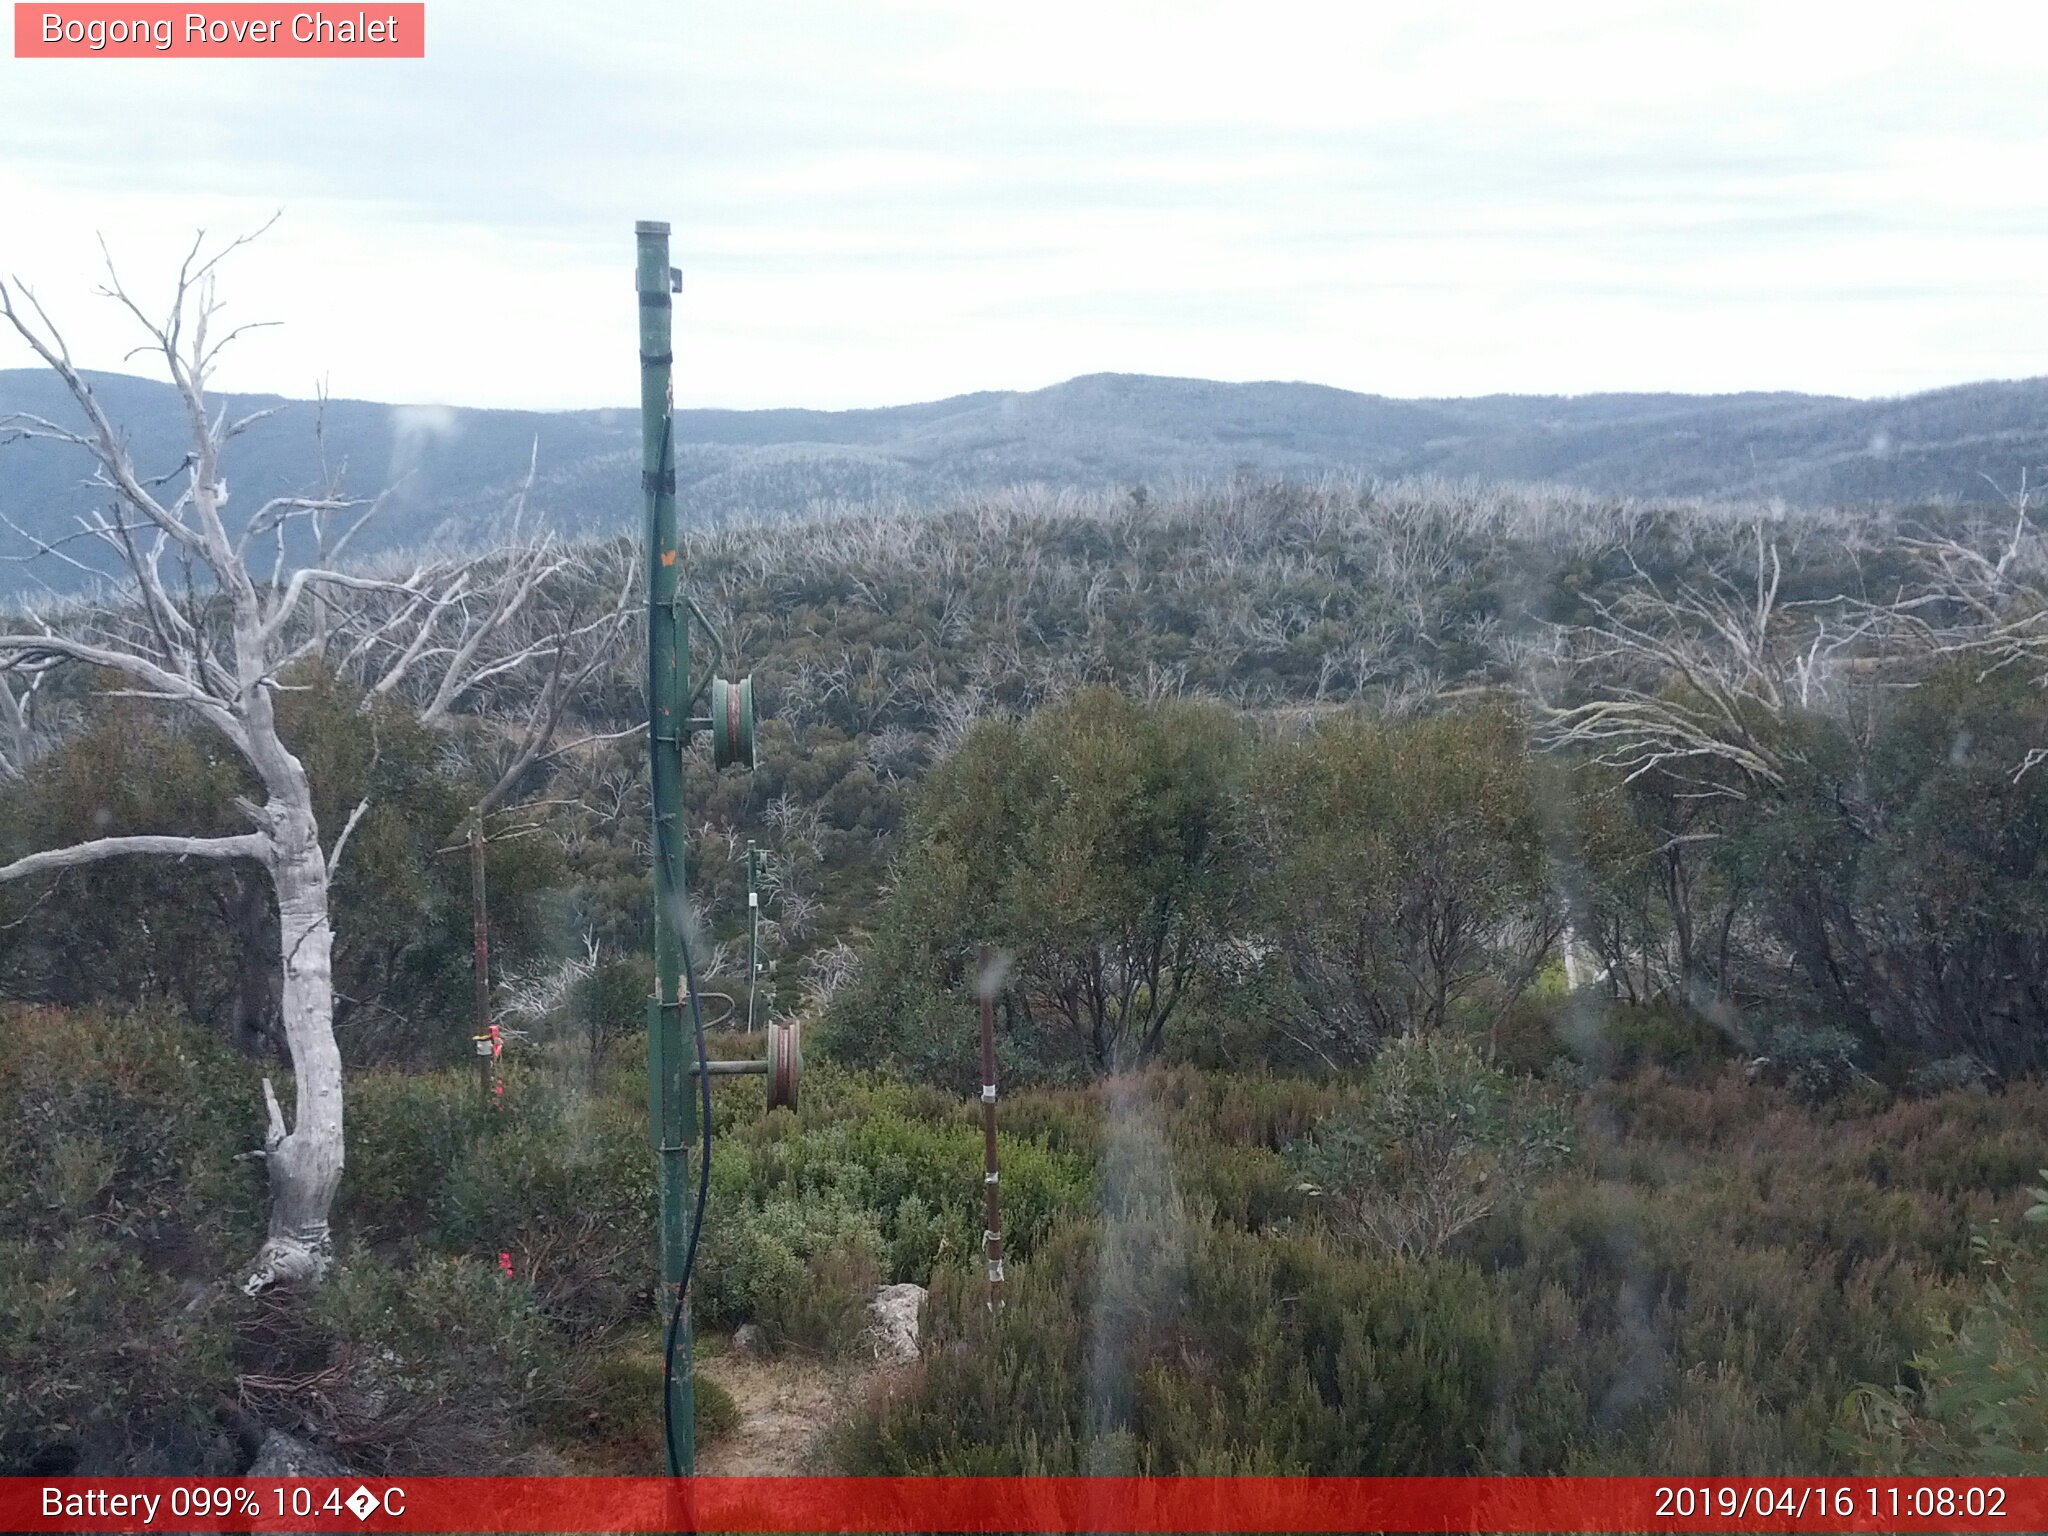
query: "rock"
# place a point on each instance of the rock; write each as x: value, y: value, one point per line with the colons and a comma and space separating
x: 282, y: 1456
x: 895, y: 1311
x: 747, y: 1343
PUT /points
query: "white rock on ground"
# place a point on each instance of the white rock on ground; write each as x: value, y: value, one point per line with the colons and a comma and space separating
x: 282, y: 1456
x: 895, y: 1311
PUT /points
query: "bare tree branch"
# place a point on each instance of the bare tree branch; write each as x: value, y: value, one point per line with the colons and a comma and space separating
x: 248, y: 845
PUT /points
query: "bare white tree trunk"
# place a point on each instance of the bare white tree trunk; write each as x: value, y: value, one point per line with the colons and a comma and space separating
x: 305, y: 1160
x: 430, y: 639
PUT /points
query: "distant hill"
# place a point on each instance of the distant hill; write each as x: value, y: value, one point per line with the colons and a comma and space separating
x: 452, y: 468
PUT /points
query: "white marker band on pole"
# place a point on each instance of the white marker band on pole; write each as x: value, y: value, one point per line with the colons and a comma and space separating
x: 991, y: 1177
x: 988, y: 1093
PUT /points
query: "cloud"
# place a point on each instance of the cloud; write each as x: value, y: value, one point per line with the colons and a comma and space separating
x: 891, y: 201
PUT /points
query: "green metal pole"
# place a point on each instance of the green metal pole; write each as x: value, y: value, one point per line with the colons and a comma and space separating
x: 672, y: 1110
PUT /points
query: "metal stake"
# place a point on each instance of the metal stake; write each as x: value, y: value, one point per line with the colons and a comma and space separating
x: 753, y: 930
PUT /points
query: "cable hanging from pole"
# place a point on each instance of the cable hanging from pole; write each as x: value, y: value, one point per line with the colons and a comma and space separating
x: 675, y: 1316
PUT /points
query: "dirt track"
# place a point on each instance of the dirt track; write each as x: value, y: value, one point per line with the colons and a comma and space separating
x: 787, y: 1407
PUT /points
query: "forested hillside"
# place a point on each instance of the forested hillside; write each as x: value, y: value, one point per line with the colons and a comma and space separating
x: 446, y: 471
x: 1496, y: 982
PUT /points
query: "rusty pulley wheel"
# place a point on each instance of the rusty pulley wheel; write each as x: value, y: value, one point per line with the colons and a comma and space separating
x: 732, y: 723
x: 785, y: 1064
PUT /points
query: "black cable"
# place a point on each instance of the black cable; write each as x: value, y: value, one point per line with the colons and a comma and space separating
x: 675, y: 1316
x: 697, y: 1022
x: 667, y: 854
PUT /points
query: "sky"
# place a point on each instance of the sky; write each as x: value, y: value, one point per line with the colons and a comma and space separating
x: 876, y: 202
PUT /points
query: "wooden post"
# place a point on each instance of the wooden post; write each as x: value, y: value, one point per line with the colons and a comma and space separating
x: 485, y: 1045
x: 992, y: 1192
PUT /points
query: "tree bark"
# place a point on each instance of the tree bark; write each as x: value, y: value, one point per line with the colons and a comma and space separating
x: 258, y: 995
x: 305, y: 1159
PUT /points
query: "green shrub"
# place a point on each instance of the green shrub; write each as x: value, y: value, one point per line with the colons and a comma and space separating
x: 135, y: 1122
x: 1817, y: 1064
x: 1526, y: 1038
x: 613, y: 1425
x: 1240, y: 1107
x: 107, y: 1365
x: 123, y: 1202
x: 1100, y: 838
x: 802, y: 1267
x: 1619, y: 1039
x: 435, y: 1369
x: 912, y: 1157
x: 941, y: 1168
x: 1719, y: 1266
x: 1976, y: 1402
x: 1948, y: 1075
x: 1403, y: 874
x: 1247, y: 1186
x: 566, y: 1186
x: 1436, y: 1140
x: 610, y: 1004
x: 562, y: 1182
x: 1156, y: 1351
x: 406, y: 1131
x: 826, y: 1313
x: 1065, y: 1120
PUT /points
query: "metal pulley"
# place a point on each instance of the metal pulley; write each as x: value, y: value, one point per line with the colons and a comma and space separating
x: 732, y: 723
x: 785, y: 1064
x: 783, y: 1067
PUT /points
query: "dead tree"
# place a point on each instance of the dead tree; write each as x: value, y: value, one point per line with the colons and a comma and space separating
x: 1984, y: 601
x: 569, y: 655
x: 1697, y: 684
x: 209, y: 622
x: 515, y: 639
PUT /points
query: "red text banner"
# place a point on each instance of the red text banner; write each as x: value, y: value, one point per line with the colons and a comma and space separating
x: 1004, y: 1504
x: 220, y: 31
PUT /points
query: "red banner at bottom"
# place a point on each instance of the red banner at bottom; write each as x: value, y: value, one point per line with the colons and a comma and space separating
x: 1004, y: 1504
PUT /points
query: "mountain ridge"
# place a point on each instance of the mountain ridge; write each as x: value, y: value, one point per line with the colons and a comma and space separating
x: 450, y: 468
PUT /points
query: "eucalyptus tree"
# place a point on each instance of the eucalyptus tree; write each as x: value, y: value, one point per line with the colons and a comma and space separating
x: 1100, y: 845
x: 209, y: 621
x: 1407, y: 882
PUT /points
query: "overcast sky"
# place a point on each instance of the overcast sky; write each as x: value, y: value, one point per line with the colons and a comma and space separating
x: 881, y: 202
